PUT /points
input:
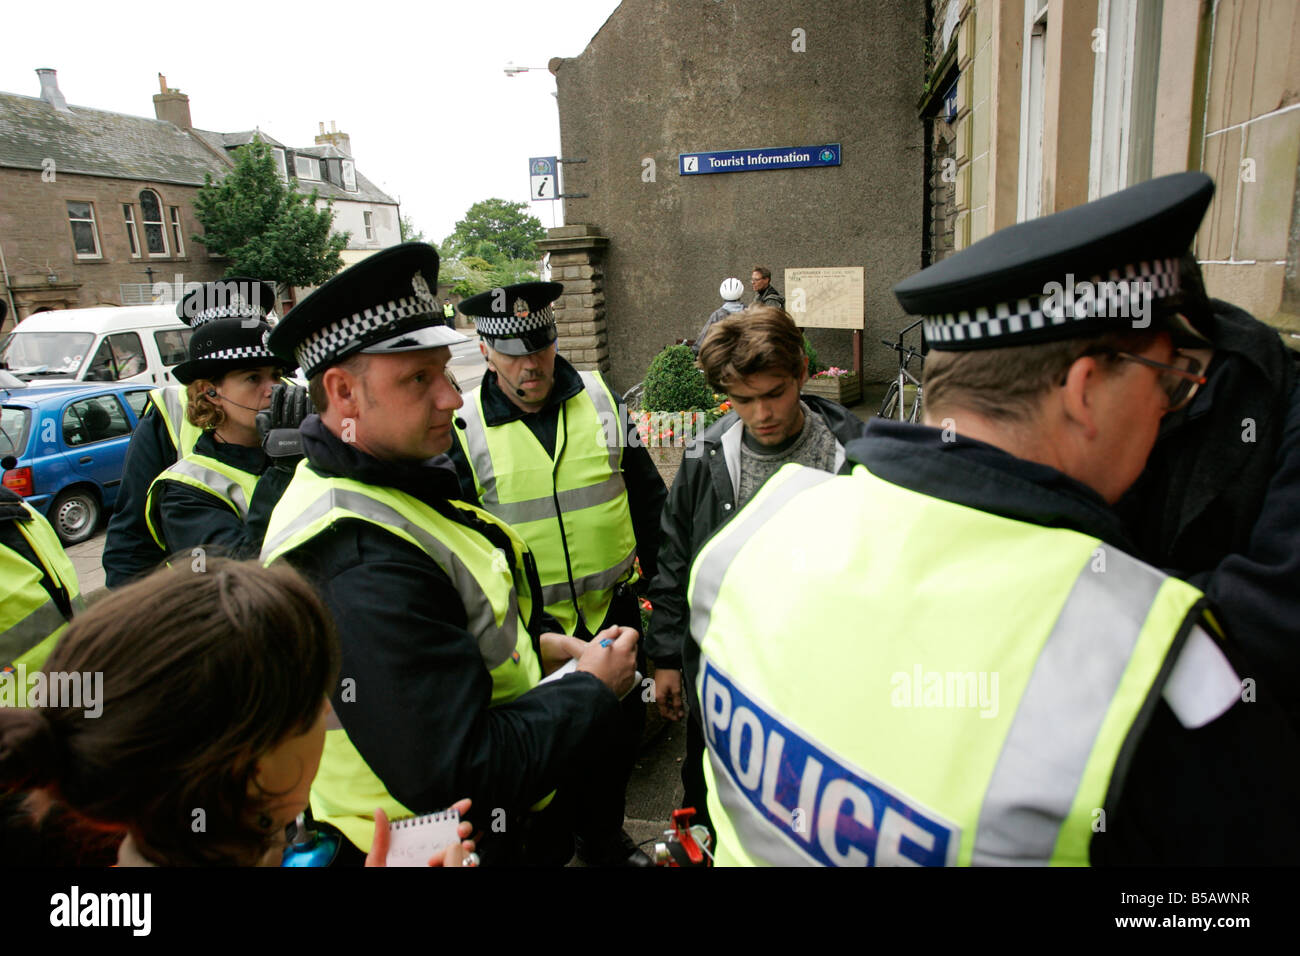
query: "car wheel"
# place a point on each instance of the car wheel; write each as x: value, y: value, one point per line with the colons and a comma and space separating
x: 75, y: 515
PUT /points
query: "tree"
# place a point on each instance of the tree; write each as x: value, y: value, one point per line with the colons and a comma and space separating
x: 265, y: 228
x: 510, y: 232
x: 408, y: 230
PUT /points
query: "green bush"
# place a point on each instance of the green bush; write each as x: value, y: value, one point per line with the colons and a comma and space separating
x: 674, y: 384
x: 814, y: 366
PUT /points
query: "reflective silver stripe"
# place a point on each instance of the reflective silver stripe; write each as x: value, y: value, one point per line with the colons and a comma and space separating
x: 708, y: 578
x: 599, y: 581
x: 1061, y: 711
x: 480, y: 458
x: 495, y: 644
x: 218, y: 483
x: 30, y: 631
x: 605, y: 414
x: 175, y: 413
x: 575, y: 499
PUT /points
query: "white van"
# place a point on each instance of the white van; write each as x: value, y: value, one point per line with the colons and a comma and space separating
x: 139, y: 343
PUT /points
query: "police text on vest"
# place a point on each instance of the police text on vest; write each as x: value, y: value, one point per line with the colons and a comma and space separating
x: 825, y: 810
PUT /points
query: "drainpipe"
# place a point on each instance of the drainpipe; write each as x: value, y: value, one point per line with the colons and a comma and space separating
x: 9, y: 289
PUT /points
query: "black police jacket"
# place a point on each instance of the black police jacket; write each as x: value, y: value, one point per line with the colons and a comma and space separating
x: 1223, y: 793
x: 129, y: 550
x: 702, y: 500
x: 420, y: 717
x: 192, y: 518
x: 1219, y: 501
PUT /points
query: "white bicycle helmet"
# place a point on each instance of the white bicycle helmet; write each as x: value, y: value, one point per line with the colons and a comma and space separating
x: 731, y: 289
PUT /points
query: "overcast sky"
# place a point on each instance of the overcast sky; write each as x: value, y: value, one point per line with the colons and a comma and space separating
x: 420, y: 87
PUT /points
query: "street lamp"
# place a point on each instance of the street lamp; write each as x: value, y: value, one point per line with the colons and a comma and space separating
x: 512, y: 70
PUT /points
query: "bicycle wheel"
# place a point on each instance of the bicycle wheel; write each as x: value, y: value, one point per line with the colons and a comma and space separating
x: 632, y: 397
x: 914, y: 415
x: 889, y: 407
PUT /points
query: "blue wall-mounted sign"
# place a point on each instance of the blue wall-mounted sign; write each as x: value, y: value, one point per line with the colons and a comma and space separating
x: 949, y: 112
x: 757, y: 160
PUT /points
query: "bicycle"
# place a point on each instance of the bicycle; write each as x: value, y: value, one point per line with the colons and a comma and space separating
x: 896, y: 404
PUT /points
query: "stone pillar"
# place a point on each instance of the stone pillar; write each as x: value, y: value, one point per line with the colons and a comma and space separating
x: 577, y: 260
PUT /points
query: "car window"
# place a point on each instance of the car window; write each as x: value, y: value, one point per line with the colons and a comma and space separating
x: 119, y: 356
x: 138, y: 399
x: 94, y: 419
x: 45, y: 353
x: 13, y: 430
x: 173, y: 345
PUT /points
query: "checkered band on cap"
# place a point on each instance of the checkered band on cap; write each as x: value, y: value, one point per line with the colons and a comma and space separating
x: 242, y: 352
x: 235, y: 310
x: 319, y: 348
x: 1121, y: 294
x: 512, y: 326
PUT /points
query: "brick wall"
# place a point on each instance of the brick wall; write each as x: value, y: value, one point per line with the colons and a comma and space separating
x: 37, y: 240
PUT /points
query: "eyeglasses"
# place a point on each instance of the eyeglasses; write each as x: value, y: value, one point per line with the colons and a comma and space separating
x: 1179, y: 382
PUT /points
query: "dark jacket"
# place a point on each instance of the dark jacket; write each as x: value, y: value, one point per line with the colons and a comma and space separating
x: 1219, y: 501
x: 1186, y: 796
x: 129, y: 549
x: 770, y: 296
x: 191, y: 518
x: 724, y: 311
x: 420, y: 717
x: 702, y: 500
x: 645, y: 486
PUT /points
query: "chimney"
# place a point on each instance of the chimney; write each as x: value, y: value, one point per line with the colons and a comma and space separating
x: 171, y: 106
x: 50, y: 89
x: 341, y: 140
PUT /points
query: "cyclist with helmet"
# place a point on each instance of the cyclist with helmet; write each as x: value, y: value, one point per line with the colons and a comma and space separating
x: 731, y: 290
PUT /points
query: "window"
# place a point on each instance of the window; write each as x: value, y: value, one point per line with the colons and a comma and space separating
x: 85, y: 237
x: 151, y: 211
x: 13, y: 429
x: 118, y: 356
x: 280, y: 163
x: 132, y: 237
x: 1029, y: 201
x: 94, y: 419
x: 173, y: 345
x: 306, y: 167
x: 177, y: 244
x: 370, y: 225
x: 138, y: 399
x: 349, y: 176
x: 1124, y: 94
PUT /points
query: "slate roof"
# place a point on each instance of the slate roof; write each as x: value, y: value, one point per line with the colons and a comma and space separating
x: 99, y: 143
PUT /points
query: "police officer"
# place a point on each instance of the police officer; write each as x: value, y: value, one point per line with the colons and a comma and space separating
x: 433, y: 598
x: 969, y: 666
x: 38, y: 586
x: 220, y: 495
x: 164, y: 433
x: 549, y: 450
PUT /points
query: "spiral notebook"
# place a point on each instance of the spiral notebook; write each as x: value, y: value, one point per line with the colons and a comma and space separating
x: 415, y: 839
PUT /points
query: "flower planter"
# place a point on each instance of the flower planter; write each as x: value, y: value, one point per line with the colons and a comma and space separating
x: 845, y: 389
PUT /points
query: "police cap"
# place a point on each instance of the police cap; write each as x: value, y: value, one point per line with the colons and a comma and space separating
x: 1108, y: 265
x: 235, y: 297
x: 383, y: 304
x: 515, y: 319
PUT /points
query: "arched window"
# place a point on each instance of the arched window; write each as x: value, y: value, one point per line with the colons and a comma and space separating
x: 155, y: 236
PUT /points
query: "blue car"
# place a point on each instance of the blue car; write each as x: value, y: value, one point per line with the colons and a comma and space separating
x: 63, y: 446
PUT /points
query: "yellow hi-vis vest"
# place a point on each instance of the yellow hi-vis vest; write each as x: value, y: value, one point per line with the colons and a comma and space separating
x: 519, y: 483
x: 170, y: 402
x: 232, y: 486
x: 497, y: 607
x: 888, y: 678
x: 30, y: 620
